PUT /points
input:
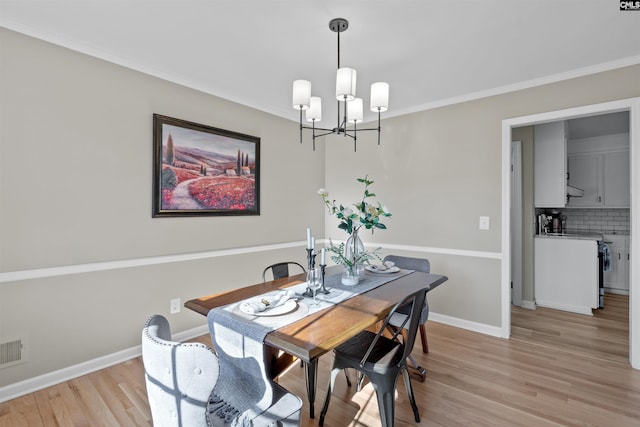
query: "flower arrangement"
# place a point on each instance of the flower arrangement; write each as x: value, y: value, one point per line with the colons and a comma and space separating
x: 365, y: 214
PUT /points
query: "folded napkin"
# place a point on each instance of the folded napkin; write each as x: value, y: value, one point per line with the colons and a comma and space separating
x: 382, y: 267
x: 266, y: 302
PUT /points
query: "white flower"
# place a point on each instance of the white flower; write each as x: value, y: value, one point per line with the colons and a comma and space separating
x: 386, y: 210
x: 323, y: 193
x: 347, y: 211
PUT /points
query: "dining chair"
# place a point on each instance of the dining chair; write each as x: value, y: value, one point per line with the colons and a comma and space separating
x: 281, y: 269
x: 180, y: 378
x: 381, y: 359
x: 417, y: 264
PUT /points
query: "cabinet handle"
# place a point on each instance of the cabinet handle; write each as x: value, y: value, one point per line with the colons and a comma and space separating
x: 599, y: 199
x: 619, y: 256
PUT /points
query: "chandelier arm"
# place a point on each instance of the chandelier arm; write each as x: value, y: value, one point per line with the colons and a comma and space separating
x: 328, y: 132
x: 338, y: 121
x: 363, y: 129
x: 355, y: 137
x: 300, y: 126
x: 344, y: 122
x: 378, y: 125
x: 317, y: 128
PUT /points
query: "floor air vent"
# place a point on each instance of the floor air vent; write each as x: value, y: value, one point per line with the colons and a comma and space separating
x: 11, y: 353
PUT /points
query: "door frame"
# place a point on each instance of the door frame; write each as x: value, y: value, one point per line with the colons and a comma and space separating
x: 516, y: 223
x: 632, y: 105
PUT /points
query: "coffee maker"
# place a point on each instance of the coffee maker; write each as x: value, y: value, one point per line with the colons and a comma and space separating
x: 550, y: 222
x: 556, y: 222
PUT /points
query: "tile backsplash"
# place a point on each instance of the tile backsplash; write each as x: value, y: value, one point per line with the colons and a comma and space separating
x: 600, y: 220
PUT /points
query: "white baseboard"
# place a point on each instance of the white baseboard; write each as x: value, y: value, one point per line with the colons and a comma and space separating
x: 616, y: 291
x: 494, y: 331
x: 31, y: 385
x: 531, y: 305
x: 565, y: 307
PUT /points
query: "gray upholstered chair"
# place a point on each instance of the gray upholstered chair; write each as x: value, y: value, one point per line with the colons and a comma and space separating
x: 180, y: 378
x: 381, y: 359
x: 417, y: 264
x: 281, y: 269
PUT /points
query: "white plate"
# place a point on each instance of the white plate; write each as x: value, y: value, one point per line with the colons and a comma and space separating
x: 285, y: 308
x: 372, y: 269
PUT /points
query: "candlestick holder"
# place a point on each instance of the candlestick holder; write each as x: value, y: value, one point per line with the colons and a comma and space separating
x: 311, y: 263
x: 311, y: 259
x: 323, y: 290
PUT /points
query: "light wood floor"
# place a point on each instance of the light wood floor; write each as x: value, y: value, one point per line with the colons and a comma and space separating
x: 557, y: 369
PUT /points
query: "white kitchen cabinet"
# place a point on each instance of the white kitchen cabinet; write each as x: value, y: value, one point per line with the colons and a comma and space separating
x: 616, y: 177
x: 604, y: 177
x: 599, y: 165
x: 550, y: 165
x: 617, y: 279
x: 566, y: 274
x: 585, y: 173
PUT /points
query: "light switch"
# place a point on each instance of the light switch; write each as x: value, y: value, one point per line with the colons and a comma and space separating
x: 484, y: 223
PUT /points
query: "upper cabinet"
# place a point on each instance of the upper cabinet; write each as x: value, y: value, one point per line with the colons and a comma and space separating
x: 600, y: 166
x: 550, y: 165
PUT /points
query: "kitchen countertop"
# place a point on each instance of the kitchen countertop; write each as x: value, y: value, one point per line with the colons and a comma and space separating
x: 574, y: 236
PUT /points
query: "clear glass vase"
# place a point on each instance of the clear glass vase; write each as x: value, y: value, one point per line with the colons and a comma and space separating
x: 353, y: 249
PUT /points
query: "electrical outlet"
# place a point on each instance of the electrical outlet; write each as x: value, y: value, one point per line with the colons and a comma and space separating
x: 484, y: 223
x: 174, y: 306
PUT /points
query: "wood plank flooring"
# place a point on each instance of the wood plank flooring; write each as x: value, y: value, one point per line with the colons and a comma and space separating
x: 558, y: 369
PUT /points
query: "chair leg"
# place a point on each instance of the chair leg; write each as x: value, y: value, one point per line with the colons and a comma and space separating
x: 334, y: 373
x: 385, y: 391
x: 412, y: 399
x: 346, y: 376
x: 423, y: 338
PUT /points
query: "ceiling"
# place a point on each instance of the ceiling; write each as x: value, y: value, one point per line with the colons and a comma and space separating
x: 431, y: 52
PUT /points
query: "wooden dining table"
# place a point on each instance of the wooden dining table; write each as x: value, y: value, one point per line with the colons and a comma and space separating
x: 318, y: 333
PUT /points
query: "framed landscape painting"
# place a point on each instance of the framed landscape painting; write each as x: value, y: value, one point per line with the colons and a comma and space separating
x: 201, y: 170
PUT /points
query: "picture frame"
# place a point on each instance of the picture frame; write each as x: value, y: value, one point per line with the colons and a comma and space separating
x: 200, y: 170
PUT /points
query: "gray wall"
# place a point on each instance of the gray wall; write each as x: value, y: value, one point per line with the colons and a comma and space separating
x: 75, y: 189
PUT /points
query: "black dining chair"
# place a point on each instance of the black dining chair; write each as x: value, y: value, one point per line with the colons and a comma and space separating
x: 281, y: 269
x: 381, y: 359
x: 417, y: 264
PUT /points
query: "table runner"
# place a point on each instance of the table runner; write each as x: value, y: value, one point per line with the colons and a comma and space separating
x: 244, y: 389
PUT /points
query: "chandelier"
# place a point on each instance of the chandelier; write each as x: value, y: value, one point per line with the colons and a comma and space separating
x: 349, y: 107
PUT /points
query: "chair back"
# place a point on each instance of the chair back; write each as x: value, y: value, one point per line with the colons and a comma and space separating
x: 408, y: 263
x: 179, y: 376
x: 281, y: 269
x: 414, y: 303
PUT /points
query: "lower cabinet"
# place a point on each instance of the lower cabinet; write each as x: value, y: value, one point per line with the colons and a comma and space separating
x: 566, y: 274
x: 616, y: 280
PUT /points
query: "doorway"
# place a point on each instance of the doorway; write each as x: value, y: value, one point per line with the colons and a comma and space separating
x: 633, y: 107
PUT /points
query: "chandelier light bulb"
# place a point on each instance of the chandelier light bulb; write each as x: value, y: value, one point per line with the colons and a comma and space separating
x: 314, y: 113
x: 380, y: 96
x: 345, y: 84
x: 354, y: 111
x: 301, y: 94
